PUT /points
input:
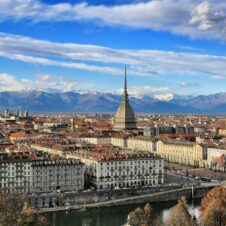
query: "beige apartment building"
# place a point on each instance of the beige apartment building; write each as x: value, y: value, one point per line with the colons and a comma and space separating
x: 141, y: 144
x: 132, y: 143
x: 187, y: 153
x: 114, y: 170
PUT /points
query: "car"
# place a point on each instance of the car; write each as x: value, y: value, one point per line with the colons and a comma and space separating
x: 88, y: 190
x: 207, y: 179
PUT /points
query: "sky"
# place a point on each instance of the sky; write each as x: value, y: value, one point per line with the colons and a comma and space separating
x: 168, y: 46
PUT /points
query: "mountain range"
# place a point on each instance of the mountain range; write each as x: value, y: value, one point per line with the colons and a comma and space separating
x: 43, y: 102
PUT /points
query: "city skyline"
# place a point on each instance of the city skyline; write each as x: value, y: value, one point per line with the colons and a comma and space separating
x: 169, y: 46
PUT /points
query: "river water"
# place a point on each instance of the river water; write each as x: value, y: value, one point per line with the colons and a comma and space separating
x: 110, y: 216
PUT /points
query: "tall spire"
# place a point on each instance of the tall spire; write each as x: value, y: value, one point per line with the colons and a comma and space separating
x: 125, y: 118
x: 125, y: 94
x: 125, y: 83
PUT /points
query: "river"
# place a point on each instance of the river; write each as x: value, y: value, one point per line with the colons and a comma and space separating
x: 109, y: 216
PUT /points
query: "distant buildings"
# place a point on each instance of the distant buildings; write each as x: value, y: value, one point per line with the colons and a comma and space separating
x: 10, y: 116
x: 110, y: 167
x: 51, y: 154
x: 187, y: 153
x: 217, y: 158
x: 155, y: 131
x: 132, y: 143
x: 125, y: 117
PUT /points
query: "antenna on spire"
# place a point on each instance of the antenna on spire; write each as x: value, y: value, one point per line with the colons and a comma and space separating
x: 125, y: 83
x: 125, y: 94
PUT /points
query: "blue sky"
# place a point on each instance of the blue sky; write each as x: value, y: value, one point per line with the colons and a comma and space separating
x: 169, y: 46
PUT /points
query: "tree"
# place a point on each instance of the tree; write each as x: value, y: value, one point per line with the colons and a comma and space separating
x: 179, y: 215
x: 134, y: 217
x: 150, y: 216
x: 15, y: 211
x: 144, y: 217
x: 213, y: 208
x: 215, y: 214
x: 9, y: 210
x: 61, y: 198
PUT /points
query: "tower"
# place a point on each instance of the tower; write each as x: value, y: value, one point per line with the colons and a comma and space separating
x: 125, y: 117
x: 72, y: 122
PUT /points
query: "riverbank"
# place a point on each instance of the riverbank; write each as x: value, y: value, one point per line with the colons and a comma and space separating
x: 171, y: 195
x: 112, y: 216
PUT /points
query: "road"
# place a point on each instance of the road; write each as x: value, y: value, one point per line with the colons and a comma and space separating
x: 216, y: 175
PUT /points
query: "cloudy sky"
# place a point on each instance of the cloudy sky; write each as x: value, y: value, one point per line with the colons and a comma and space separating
x: 168, y: 46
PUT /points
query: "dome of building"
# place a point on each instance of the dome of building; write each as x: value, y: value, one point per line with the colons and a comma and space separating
x: 125, y: 117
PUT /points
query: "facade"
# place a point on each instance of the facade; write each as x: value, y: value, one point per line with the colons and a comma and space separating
x: 20, y: 174
x: 132, y: 143
x: 217, y: 159
x: 187, y: 153
x: 119, y: 141
x: 125, y: 117
x: 154, y: 131
x: 122, y: 169
x: 57, y: 175
x: 15, y: 173
x: 97, y: 140
x: 141, y: 144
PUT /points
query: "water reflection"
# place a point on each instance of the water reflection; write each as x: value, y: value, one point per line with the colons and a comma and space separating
x: 110, y: 216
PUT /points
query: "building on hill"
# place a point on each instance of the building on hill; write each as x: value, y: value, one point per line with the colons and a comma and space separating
x: 125, y: 117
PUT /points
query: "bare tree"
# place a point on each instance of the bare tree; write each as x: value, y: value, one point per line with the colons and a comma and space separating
x: 144, y: 217
x: 213, y: 208
x: 15, y: 211
x: 179, y: 215
x: 10, y: 208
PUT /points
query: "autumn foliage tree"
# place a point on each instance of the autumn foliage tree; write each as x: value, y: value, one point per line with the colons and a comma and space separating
x: 213, y: 208
x: 144, y: 217
x: 179, y: 215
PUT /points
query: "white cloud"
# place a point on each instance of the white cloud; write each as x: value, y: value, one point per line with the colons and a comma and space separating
x: 42, y: 82
x: 164, y: 97
x: 207, y: 17
x: 85, y: 57
x: 189, y: 48
x: 189, y: 84
x: 142, y: 91
x: 194, y: 18
x: 50, y: 83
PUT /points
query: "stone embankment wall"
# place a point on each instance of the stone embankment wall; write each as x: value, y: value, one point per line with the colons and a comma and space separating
x: 56, y: 199
x: 94, y: 200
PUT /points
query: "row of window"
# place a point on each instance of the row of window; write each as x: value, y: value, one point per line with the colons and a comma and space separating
x: 130, y: 162
x: 130, y: 184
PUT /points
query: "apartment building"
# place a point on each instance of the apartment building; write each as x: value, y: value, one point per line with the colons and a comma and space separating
x: 217, y: 158
x: 22, y: 173
x: 111, y: 169
x: 188, y: 153
x: 57, y: 175
x: 15, y: 173
x: 141, y: 144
